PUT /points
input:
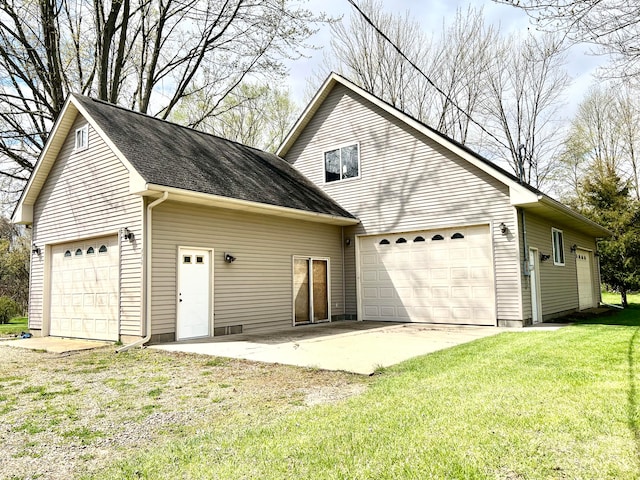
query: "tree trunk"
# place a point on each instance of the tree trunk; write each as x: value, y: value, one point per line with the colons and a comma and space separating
x: 623, y: 297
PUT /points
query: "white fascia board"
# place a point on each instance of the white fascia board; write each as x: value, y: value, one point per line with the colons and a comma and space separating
x: 520, y: 195
x: 23, y: 213
x: 245, y: 205
x: 136, y: 182
x: 306, y: 115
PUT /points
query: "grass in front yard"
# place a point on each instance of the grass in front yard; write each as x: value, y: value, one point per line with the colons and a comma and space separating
x: 613, y: 298
x: 14, y: 327
x: 521, y: 405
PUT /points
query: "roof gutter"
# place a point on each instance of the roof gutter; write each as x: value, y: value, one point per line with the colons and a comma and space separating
x: 544, y: 199
x: 147, y: 275
x: 256, y: 207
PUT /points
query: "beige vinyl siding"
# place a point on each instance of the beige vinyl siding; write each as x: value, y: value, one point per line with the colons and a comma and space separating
x: 407, y: 182
x: 256, y: 290
x: 558, y: 284
x: 87, y: 195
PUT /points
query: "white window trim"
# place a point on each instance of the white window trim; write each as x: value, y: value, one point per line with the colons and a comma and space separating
x: 84, y: 131
x: 553, y: 246
x: 338, y: 147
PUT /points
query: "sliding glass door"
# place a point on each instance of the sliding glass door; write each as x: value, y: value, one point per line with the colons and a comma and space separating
x: 310, y: 290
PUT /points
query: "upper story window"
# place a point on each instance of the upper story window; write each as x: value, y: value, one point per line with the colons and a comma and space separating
x: 341, y: 163
x: 82, y: 138
x: 558, y: 246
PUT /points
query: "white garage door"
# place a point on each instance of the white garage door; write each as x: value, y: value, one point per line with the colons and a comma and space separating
x: 440, y: 276
x: 84, y: 289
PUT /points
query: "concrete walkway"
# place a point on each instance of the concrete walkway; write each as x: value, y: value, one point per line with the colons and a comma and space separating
x: 359, y: 347
x: 55, y: 344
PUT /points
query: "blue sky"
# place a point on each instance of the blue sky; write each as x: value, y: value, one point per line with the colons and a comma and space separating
x: 431, y: 14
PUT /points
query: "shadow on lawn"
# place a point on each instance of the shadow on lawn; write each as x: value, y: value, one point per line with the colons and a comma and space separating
x: 632, y: 395
x: 629, y: 317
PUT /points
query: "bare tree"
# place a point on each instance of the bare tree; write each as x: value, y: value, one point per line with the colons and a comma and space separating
x: 498, y: 95
x: 362, y: 55
x: 627, y: 111
x: 613, y: 26
x: 148, y: 55
x: 256, y: 115
x: 461, y: 65
x: 526, y: 84
x: 604, y: 136
x: 456, y: 62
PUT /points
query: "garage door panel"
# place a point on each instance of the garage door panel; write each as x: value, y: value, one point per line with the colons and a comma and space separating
x: 84, y: 289
x: 448, y: 280
x: 459, y: 273
x: 370, y: 276
x: 440, y: 274
x: 388, y: 311
x: 372, y: 311
x: 460, y: 292
x: 460, y: 314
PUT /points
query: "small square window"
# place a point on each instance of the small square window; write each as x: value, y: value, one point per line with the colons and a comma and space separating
x: 186, y: 259
x: 342, y: 163
x: 558, y: 246
x: 199, y: 259
x: 82, y: 138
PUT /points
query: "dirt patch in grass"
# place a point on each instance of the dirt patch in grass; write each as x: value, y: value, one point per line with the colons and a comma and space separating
x: 66, y: 415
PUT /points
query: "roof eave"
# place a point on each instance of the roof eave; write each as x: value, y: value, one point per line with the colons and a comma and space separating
x: 307, y: 114
x: 334, y: 78
x: 23, y: 213
x: 554, y: 210
x: 189, y: 196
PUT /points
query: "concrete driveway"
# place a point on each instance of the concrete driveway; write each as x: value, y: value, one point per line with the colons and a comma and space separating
x: 359, y: 347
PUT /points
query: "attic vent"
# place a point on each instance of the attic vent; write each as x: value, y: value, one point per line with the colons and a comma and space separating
x: 418, y: 239
x: 384, y: 241
x: 401, y: 240
x: 437, y: 237
x: 456, y: 235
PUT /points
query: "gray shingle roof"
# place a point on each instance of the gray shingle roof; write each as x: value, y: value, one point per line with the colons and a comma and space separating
x: 172, y: 155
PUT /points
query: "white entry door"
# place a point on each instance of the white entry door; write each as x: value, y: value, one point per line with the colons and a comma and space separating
x: 534, y: 279
x: 194, y: 293
x: 584, y: 272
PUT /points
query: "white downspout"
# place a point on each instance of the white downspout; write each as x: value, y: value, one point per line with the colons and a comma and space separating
x: 147, y: 275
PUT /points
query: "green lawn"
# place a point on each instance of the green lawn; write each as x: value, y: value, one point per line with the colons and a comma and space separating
x: 521, y: 405
x: 14, y: 327
x: 614, y: 298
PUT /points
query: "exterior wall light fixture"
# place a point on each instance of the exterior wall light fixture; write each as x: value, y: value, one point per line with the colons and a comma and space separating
x: 126, y: 234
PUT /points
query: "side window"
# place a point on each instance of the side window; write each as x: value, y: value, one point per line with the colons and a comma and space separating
x: 341, y: 163
x: 82, y: 138
x: 558, y: 246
